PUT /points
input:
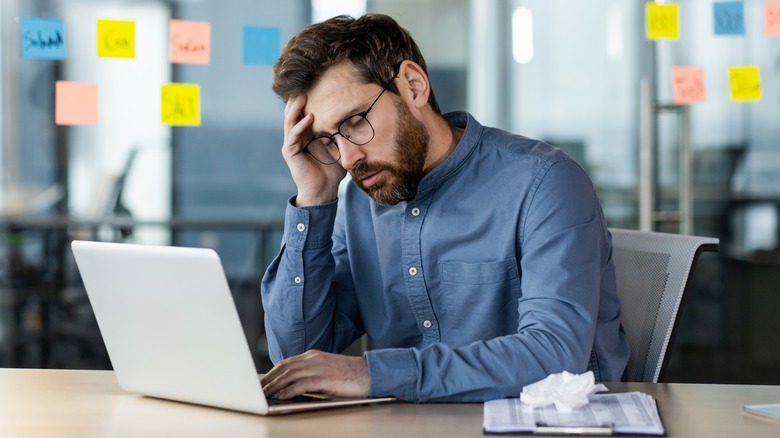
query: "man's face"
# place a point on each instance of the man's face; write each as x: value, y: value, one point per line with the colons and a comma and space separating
x: 403, y: 172
x: 389, y: 167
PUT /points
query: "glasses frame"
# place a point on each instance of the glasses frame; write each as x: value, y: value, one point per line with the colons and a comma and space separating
x: 363, y: 115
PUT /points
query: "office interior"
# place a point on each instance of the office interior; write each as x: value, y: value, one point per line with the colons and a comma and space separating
x: 581, y: 75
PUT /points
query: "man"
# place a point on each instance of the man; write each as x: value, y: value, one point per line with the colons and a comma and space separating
x: 476, y: 261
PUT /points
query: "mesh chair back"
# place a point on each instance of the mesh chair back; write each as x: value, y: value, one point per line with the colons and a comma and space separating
x: 653, y: 272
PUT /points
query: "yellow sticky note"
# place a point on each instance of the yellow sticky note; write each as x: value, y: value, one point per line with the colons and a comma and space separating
x: 181, y: 104
x: 772, y: 18
x: 745, y: 83
x: 688, y: 84
x: 189, y: 42
x: 116, y: 39
x: 75, y: 103
x: 662, y: 21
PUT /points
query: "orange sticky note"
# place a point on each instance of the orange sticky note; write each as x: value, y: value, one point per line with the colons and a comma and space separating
x: 189, y: 42
x: 116, y: 39
x: 688, y: 84
x: 772, y: 18
x: 745, y: 83
x: 181, y: 104
x: 75, y: 103
x: 662, y: 21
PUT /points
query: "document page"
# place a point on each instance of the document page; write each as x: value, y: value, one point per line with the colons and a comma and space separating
x: 629, y: 413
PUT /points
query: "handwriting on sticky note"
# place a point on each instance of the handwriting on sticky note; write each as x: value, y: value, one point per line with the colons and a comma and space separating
x: 745, y: 83
x: 662, y: 21
x: 116, y: 39
x: 190, y: 42
x: 43, y: 38
x: 75, y: 103
x: 181, y: 104
x: 772, y: 18
x: 729, y: 18
x: 688, y: 84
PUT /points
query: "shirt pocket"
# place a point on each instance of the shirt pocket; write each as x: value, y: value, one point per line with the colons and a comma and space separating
x: 479, y: 300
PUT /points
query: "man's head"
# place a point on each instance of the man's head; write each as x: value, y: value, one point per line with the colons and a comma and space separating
x: 343, y: 67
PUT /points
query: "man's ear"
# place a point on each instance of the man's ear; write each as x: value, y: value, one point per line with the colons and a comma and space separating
x: 418, y: 85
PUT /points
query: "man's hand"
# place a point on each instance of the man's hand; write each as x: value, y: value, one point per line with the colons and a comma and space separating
x: 317, y: 183
x: 316, y: 371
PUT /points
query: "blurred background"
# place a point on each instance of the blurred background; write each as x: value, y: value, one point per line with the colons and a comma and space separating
x: 580, y: 75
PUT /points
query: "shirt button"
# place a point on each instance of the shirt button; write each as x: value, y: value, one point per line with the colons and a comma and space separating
x: 427, y: 324
x: 415, y: 211
x: 301, y: 227
x: 297, y: 280
x: 412, y: 271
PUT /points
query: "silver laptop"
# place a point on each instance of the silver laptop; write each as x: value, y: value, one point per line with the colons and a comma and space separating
x: 171, y: 327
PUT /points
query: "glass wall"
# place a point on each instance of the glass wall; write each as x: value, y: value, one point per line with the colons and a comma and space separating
x: 570, y: 73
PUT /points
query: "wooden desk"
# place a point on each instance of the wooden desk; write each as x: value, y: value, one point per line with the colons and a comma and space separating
x: 65, y: 403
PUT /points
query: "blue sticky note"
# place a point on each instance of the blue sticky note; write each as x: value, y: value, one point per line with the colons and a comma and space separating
x: 43, y: 38
x: 729, y: 18
x: 261, y: 45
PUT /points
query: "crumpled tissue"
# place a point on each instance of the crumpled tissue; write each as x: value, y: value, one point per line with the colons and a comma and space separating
x: 568, y: 391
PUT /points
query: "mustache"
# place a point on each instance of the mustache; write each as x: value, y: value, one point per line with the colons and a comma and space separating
x: 359, y: 172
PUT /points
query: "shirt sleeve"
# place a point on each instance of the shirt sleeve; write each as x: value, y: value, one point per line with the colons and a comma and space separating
x: 299, y: 302
x: 565, y: 250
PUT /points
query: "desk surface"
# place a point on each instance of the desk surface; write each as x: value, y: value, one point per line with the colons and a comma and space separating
x: 66, y: 403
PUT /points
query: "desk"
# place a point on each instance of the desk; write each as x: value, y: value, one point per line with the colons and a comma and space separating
x: 66, y: 403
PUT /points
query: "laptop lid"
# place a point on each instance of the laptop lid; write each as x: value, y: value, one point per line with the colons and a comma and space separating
x: 171, y: 328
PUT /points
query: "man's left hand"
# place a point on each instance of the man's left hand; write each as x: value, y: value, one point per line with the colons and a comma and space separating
x: 316, y: 371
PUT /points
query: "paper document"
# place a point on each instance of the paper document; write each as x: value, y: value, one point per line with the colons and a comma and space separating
x: 627, y: 413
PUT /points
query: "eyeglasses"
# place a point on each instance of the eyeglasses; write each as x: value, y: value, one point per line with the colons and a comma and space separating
x: 355, y: 128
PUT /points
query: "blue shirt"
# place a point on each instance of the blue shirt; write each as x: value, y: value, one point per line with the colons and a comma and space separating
x: 497, y: 274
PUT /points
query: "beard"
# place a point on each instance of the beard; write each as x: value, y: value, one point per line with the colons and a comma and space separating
x: 401, y: 177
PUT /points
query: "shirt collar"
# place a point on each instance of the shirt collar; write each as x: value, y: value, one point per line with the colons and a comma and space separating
x: 467, y: 144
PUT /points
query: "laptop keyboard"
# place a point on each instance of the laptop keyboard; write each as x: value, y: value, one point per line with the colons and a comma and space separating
x: 298, y: 399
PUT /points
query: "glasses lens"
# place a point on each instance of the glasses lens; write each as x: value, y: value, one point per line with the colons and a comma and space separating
x: 324, y: 150
x: 357, y: 130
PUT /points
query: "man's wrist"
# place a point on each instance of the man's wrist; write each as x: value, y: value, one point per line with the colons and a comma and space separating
x: 308, y: 201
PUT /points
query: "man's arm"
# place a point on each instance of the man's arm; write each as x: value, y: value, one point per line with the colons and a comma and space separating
x: 299, y: 300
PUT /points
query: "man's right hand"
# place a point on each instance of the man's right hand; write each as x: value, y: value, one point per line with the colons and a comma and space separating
x: 317, y: 183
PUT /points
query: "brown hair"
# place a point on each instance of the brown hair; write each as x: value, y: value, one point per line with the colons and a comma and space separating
x: 375, y: 45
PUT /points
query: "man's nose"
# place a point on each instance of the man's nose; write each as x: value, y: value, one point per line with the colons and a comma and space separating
x: 351, y: 154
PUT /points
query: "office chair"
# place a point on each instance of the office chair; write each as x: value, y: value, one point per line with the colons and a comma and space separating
x: 653, y: 272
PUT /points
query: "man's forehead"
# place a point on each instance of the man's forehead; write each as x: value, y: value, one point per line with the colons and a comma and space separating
x: 335, y: 96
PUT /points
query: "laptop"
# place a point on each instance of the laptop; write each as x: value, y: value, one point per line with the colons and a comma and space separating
x: 171, y: 328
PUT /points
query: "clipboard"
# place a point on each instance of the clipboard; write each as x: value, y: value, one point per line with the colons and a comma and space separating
x: 639, y: 416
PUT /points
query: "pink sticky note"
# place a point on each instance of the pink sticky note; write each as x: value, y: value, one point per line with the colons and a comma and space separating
x: 772, y: 18
x: 75, y: 103
x: 189, y: 42
x: 688, y: 84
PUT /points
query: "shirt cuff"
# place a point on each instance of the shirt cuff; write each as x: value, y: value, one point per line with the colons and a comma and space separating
x: 309, y: 227
x: 392, y: 372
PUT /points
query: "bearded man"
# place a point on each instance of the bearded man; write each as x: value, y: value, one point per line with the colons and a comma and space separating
x: 476, y: 261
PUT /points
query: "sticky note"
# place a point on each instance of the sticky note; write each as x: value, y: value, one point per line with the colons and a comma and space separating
x: 745, y: 83
x: 729, y: 18
x: 189, y: 42
x: 688, y: 84
x: 261, y: 45
x: 43, y: 38
x: 662, y: 21
x: 75, y: 103
x: 181, y: 104
x: 116, y: 39
x: 772, y: 18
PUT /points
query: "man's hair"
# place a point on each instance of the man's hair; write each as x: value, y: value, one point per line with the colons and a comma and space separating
x: 375, y: 45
